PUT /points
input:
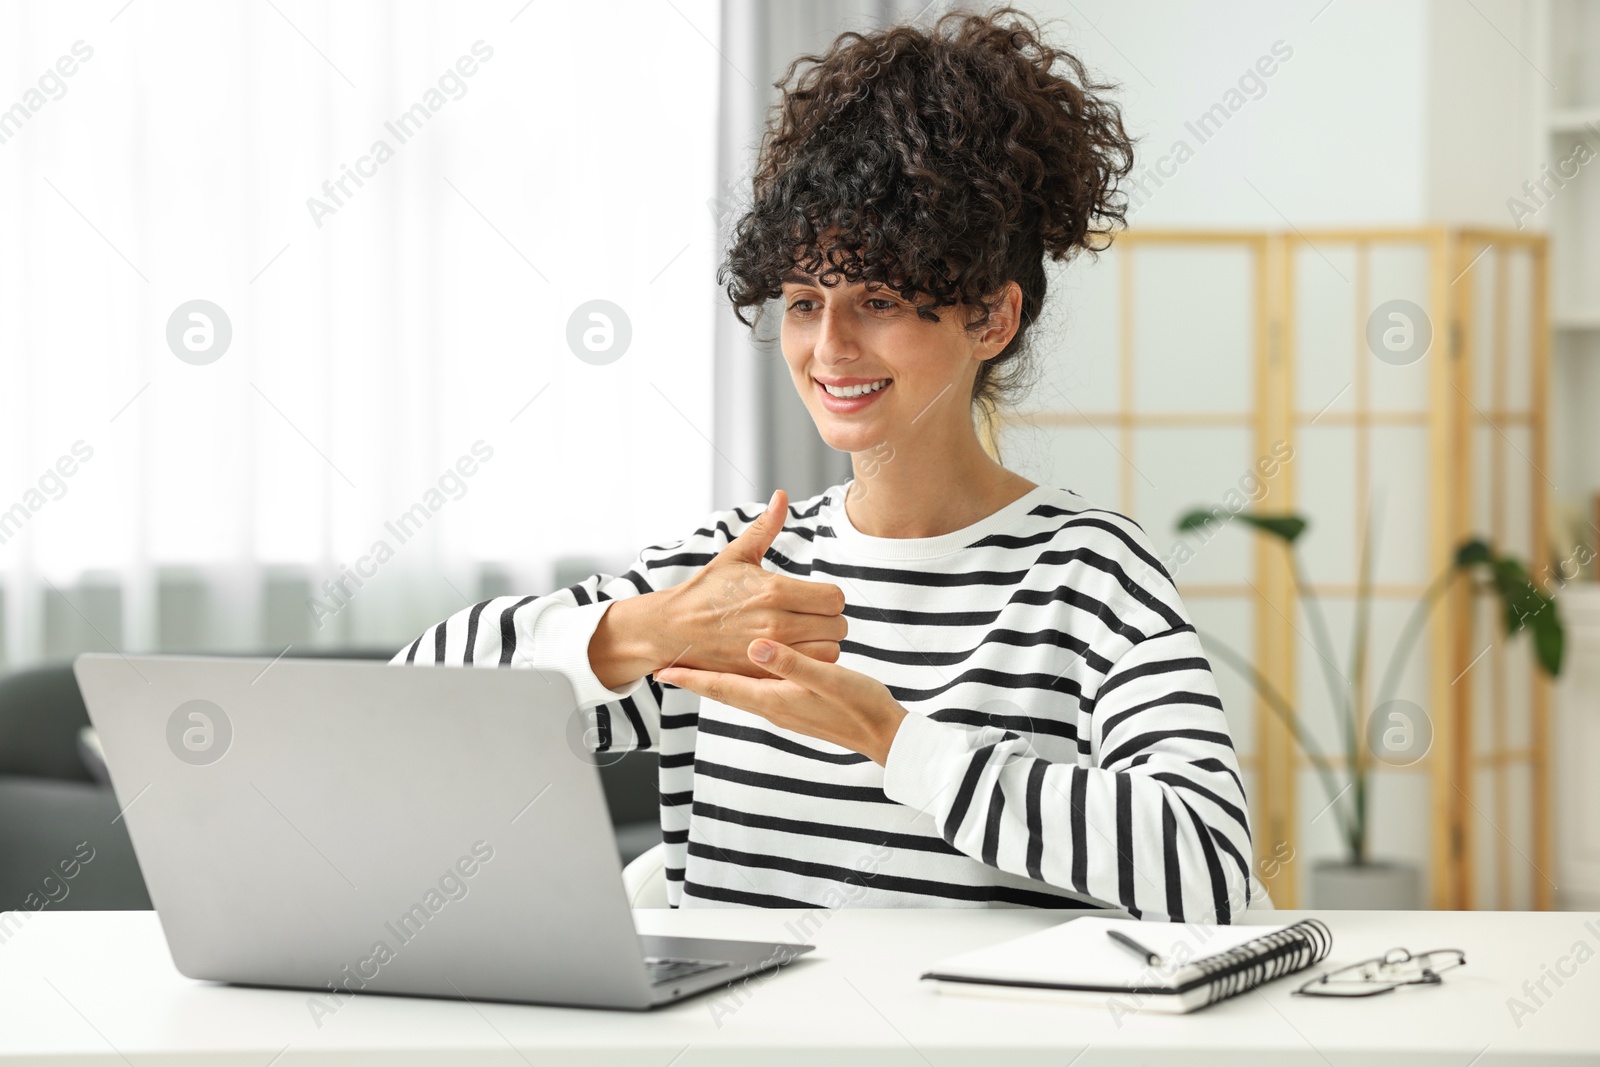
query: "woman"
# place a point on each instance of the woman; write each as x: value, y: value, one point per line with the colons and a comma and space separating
x: 937, y: 684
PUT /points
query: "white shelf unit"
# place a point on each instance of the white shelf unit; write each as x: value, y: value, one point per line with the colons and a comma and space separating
x: 1568, y: 114
x: 1568, y: 57
x: 1577, y: 727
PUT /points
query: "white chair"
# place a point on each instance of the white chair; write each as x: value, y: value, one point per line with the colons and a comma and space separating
x: 645, y: 881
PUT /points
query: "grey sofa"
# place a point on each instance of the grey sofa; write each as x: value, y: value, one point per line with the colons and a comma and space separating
x: 52, y: 806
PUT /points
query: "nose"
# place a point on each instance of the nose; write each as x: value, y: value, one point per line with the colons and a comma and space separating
x: 837, y: 340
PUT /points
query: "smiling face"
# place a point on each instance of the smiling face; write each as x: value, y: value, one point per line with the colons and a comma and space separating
x: 869, y: 368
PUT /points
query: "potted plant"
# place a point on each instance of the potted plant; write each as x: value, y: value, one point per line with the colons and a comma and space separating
x: 1398, y: 732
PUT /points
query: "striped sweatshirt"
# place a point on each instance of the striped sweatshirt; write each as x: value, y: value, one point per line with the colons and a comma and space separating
x: 1065, y: 745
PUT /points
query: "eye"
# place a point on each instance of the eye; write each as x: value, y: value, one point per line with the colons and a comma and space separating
x: 802, y: 306
x: 879, y: 303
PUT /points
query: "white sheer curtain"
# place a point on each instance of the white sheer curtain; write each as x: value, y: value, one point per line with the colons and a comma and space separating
x: 512, y: 161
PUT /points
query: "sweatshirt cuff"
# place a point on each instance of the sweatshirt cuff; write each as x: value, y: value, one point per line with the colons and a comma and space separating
x: 921, y: 761
x: 560, y: 643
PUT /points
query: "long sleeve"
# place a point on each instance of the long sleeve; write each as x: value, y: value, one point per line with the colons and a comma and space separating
x: 551, y: 633
x: 1157, y: 823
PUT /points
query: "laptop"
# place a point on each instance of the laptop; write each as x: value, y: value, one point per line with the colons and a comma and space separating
x: 355, y: 827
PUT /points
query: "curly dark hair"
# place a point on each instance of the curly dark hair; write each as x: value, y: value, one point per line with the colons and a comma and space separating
x: 938, y: 163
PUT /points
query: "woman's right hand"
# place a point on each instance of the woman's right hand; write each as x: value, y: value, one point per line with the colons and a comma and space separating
x: 709, y: 621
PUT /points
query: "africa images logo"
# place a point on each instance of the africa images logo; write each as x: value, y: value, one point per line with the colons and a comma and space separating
x: 199, y: 732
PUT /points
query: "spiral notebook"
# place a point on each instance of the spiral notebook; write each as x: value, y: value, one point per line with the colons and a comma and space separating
x: 1199, y: 964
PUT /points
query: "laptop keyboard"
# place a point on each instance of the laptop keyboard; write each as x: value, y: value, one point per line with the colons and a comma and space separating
x: 670, y: 969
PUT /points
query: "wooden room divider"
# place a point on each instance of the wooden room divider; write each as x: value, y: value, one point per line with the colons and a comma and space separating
x: 1404, y: 371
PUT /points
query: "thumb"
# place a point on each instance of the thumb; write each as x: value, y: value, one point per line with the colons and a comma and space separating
x: 751, y: 545
x: 785, y: 662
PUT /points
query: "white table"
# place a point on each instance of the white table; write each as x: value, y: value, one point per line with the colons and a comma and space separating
x: 100, y: 988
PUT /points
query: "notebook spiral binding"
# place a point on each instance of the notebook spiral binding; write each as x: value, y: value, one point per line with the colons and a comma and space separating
x: 1295, y: 947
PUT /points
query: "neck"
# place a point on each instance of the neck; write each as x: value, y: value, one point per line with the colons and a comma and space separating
x: 933, y: 481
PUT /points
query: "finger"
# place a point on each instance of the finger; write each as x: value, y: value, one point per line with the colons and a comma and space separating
x: 735, y: 690
x: 751, y: 545
x: 796, y: 629
x: 824, y: 651
x: 785, y: 662
x: 810, y: 598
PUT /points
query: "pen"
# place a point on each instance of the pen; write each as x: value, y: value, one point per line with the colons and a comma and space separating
x: 1152, y: 958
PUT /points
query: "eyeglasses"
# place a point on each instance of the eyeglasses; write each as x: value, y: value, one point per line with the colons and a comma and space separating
x: 1385, y: 973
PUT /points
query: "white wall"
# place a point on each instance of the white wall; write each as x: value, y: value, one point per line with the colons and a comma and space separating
x: 1386, y: 112
x: 1482, y: 97
x: 1335, y: 136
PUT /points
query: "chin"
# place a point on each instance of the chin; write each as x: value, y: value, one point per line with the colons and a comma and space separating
x: 857, y: 437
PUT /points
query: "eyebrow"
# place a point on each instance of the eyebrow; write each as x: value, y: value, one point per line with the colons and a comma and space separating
x: 807, y: 279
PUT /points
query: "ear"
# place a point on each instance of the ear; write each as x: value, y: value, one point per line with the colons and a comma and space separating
x: 1004, y: 322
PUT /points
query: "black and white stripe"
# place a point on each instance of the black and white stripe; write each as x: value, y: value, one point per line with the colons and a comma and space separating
x: 1066, y: 746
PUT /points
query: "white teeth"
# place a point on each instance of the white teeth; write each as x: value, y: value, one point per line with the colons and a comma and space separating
x: 847, y: 391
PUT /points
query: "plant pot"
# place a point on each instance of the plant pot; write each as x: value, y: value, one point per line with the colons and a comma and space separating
x: 1378, y: 886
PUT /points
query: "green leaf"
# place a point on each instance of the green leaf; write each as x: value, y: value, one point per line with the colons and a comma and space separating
x: 1473, y: 552
x: 1549, y: 640
x: 1519, y: 599
x: 1512, y: 617
x: 1195, y: 520
x: 1523, y: 604
x: 1510, y: 575
x: 1288, y: 527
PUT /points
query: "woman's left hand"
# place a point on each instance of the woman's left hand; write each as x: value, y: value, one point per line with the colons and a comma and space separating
x: 808, y: 696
